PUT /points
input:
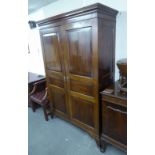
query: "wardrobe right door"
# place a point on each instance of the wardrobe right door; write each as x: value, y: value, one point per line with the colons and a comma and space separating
x: 81, y: 73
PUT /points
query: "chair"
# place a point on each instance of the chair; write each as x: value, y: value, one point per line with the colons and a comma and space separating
x: 38, y: 95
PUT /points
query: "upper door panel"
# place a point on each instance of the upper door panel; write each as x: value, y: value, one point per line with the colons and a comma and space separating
x: 80, y: 51
x: 52, y: 50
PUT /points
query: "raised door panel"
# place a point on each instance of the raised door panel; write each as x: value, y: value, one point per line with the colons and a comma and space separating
x: 56, y: 79
x: 55, y: 72
x: 52, y: 48
x: 115, y: 122
x: 81, y: 71
x: 58, y: 98
x: 83, y: 111
x: 80, y: 86
x: 80, y: 51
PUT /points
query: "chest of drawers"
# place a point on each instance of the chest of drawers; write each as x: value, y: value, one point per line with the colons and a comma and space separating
x: 114, y: 118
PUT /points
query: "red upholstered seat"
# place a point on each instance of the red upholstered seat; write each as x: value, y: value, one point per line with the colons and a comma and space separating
x: 38, y: 96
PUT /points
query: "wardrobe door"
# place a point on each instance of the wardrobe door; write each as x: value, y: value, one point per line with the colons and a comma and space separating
x: 81, y: 63
x: 55, y: 71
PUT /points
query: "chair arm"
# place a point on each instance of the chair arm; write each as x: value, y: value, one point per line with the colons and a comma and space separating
x: 45, y: 96
x: 39, y: 82
x: 37, y: 86
x: 33, y: 90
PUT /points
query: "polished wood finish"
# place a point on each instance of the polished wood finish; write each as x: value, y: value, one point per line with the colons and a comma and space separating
x: 78, y: 49
x: 55, y: 71
x: 114, y: 118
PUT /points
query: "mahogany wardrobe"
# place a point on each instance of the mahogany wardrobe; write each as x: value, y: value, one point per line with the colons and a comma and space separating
x: 79, y: 52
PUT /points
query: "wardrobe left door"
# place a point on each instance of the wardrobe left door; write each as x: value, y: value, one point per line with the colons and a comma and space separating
x: 55, y: 70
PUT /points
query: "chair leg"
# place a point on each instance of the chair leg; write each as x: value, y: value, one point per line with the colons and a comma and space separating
x: 45, y: 113
x: 51, y: 111
x: 52, y: 115
x: 33, y: 106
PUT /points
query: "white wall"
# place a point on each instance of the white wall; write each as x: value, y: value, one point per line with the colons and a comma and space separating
x: 121, y: 39
x: 35, y: 59
x: 62, y: 6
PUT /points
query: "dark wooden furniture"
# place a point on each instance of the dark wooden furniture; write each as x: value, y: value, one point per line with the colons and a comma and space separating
x: 38, y: 95
x: 114, y: 118
x: 78, y: 49
x: 32, y: 78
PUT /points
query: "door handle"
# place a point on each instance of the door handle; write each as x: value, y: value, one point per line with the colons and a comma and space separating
x: 66, y: 78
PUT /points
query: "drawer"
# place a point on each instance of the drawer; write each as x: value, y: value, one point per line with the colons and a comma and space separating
x: 115, y: 100
x: 114, y: 121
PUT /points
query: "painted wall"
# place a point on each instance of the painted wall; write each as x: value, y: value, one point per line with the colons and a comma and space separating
x: 35, y: 59
x: 61, y: 6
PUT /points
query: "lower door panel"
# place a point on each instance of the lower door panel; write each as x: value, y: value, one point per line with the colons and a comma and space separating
x: 82, y: 111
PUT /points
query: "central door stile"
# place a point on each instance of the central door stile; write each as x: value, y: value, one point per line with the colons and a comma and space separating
x: 66, y: 76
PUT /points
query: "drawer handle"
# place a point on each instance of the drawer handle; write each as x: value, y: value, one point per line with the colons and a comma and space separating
x: 118, y: 110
